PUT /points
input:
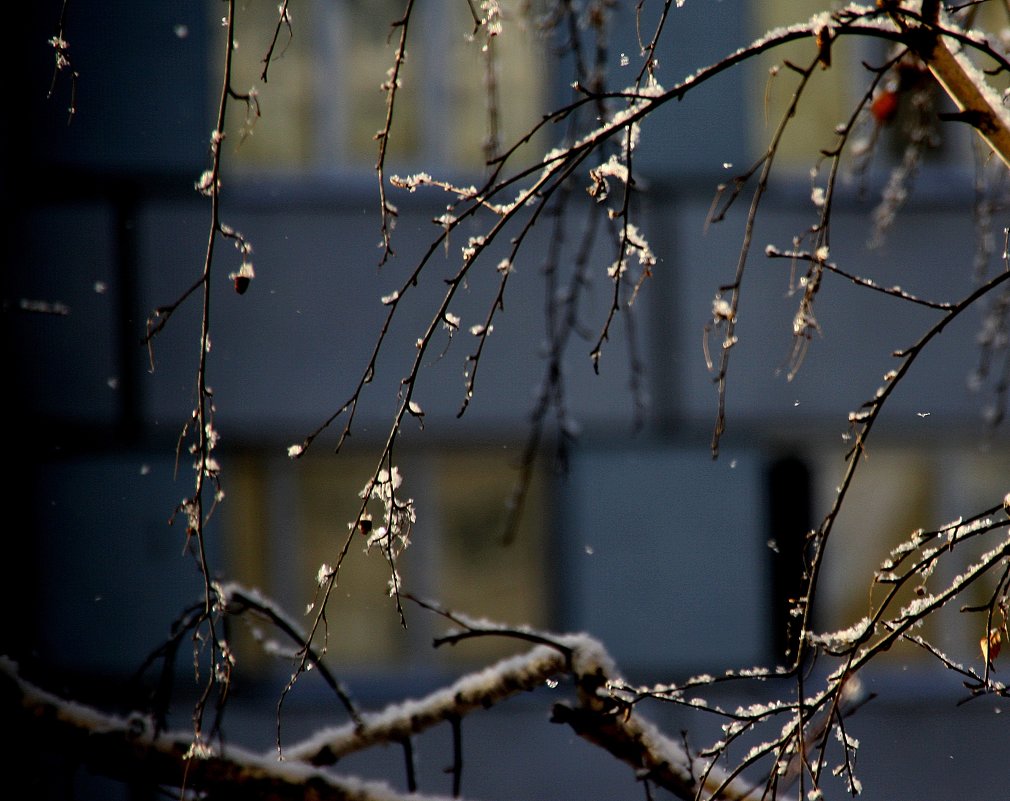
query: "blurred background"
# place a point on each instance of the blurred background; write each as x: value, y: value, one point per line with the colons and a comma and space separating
x: 678, y: 563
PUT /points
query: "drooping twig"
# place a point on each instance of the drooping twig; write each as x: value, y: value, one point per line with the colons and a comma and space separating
x: 386, y: 210
x: 61, y: 51
x: 727, y: 312
x: 283, y: 21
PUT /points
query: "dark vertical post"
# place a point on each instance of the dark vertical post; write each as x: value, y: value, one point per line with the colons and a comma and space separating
x: 789, y: 521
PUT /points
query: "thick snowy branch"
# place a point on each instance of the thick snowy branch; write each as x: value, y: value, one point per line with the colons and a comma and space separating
x: 399, y: 721
x: 121, y: 747
x: 125, y: 748
x: 653, y: 755
x: 978, y: 104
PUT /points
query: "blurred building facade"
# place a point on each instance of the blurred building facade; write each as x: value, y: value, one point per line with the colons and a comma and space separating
x: 670, y: 558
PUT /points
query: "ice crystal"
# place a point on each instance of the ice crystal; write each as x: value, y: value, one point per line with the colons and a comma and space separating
x: 206, y: 185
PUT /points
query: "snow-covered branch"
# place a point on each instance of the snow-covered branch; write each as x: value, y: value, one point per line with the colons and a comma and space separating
x: 121, y: 747
x: 399, y: 721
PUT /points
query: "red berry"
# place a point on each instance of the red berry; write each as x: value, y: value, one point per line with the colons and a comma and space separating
x: 884, y: 106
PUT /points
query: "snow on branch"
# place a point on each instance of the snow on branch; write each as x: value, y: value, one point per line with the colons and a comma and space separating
x: 597, y: 716
x: 116, y: 746
x: 113, y: 745
x: 978, y: 104
x: 399, y: 721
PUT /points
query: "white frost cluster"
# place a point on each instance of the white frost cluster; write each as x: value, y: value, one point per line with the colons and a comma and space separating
x: 492, y: 18
x: 206, y: 184
x: 398, y: 515
x: 411, y: 182
x: 634, y: 241
x: 842, y: 639
x: 474, y: 243
x: 722, y: 309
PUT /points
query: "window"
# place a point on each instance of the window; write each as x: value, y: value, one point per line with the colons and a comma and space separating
x: 322, y: 103
x: 896, y: 492
x: 285, y: 519
x: 825, y: 104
